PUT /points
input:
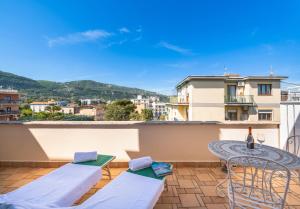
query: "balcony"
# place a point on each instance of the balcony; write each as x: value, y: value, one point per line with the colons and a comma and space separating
x: 176, y: 100
x: 239, y: 100
x: 9, y: 112
x: 48, y: 145
x: 10, y: 102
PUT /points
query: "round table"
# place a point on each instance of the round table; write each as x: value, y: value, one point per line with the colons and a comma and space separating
x: 226, y: 149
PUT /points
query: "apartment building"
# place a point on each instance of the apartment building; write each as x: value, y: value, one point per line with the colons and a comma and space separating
x: 9, y: 104
x: 227, y: 98
x: 158, y: 108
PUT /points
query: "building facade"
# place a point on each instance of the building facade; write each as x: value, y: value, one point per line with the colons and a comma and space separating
x: 41, y: 106
x: 158, y: 108
x: 9, y: 104
x: 227, y: 98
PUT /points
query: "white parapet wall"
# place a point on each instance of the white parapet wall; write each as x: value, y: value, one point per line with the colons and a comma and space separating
x: 165, y: 141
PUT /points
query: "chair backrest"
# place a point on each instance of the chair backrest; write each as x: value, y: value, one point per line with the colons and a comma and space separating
x: 257, y: 182
x: 293, y: 145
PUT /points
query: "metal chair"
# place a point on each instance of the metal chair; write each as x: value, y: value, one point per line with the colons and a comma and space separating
x: 293, y: 146
x: 256, y: 182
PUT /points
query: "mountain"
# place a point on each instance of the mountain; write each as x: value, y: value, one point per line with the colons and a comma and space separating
x: 73, y: 90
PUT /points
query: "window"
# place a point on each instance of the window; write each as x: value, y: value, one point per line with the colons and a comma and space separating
x: 7, y: 98
x: 231, y: 115
x: 264, y: 89
x: 264, y: 114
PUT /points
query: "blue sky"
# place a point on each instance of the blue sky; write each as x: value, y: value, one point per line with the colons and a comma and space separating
x: 148, y: 44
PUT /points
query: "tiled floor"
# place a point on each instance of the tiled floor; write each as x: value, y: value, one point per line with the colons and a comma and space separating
x: 187, y: 187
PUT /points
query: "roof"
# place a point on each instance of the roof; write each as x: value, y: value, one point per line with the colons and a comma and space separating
x: 43, y: 103
x: 8, y: 91
x: 228, y: 77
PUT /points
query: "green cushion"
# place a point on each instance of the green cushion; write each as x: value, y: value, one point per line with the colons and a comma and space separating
x: 148, y: 172
x: 101, y: 160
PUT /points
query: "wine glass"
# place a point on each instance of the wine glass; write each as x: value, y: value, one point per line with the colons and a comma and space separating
x: 261, y: 139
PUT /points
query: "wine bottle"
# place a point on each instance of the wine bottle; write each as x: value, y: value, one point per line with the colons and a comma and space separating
x: 250, y: 139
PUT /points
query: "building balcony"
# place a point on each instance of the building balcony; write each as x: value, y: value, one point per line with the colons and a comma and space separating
x: 239, y: 100
x: 175, y: 100
x: 9, y: 112
x: 10, y: 102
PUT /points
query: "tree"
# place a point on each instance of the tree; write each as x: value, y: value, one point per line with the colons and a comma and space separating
x: 119, y: 110
x: 147, y: 114
x: 26, y: 112
x: 135, y: 116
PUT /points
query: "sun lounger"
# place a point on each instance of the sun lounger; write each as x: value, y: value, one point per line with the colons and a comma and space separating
x: 127, y: 191
x: 61, y: 187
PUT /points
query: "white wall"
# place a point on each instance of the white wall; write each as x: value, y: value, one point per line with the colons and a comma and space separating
x: 289, y: 120
x: 164, y: 141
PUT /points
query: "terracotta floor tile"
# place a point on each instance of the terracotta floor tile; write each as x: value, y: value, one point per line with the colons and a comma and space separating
x: 209, y: 190
x: 189, y: 200
x: 215, y: 206
x: 186, y: 183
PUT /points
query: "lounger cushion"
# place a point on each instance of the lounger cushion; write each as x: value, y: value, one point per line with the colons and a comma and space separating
x: 127, y: 191
x: 62, y: 187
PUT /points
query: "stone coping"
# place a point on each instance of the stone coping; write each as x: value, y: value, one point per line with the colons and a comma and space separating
x: 138, y: 123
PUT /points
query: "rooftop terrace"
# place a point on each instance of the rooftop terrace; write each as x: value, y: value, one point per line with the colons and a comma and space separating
x: 187, y: 188
x: 192, y: 185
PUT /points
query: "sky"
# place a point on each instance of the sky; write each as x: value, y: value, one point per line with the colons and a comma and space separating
x: 149, y: 44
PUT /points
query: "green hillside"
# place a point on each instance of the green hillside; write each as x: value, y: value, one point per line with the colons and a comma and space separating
x: 44, y: 90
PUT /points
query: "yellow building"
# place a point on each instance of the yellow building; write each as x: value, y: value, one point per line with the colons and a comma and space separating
x: 229, y: 97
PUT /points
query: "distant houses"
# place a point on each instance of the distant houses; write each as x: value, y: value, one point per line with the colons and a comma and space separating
x: 88, y: 107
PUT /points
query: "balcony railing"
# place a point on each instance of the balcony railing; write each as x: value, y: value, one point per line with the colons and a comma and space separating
x: 9, y: 112
x: 239, y: 99
x: 10, y: 101
x: 178, y: 100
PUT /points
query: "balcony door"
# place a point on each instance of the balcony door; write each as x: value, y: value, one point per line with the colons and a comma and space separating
x: 231, y: 92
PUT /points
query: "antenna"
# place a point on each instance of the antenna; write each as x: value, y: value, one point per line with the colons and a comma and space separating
x: 225, y: 70
x: 271, y: 71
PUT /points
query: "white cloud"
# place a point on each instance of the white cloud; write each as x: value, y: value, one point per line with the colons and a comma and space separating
x: 138, y: 38
x: 124, y: 30
x: 79, y: 37
x: 116, y: 43
x: 175, y: 48
x: 139, y: 29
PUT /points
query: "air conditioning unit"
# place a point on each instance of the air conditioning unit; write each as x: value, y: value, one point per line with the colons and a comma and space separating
x: 241, y: 83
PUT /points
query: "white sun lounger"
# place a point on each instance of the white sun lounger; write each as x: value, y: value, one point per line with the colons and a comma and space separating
x: 127, y: 191
x: 62, y: 187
